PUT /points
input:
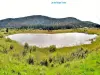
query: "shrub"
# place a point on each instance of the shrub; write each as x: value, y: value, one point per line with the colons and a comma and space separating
x: 26, y: 46
x: 5, y: 50
x: 24, y: 52
x: 1, y: 35
x: 80, y: 53
x: 44, y: 63
x: 7, y: 30
x: 33, y: 48
x: 8, y: 40
x: 30, y: 60
x: 11, y: 47
x: 19, y: 73
x: 52, y: 65
x: 52, y: 48
x: 62, y: 60
x: 13, y: 71
x: 50, y: 60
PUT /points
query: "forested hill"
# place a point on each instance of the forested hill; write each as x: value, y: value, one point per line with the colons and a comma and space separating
x: 44, y: 22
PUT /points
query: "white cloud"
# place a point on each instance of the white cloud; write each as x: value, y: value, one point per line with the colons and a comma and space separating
x: 87, y: 10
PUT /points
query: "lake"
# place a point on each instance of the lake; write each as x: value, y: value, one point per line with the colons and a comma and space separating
x: 59, y: 39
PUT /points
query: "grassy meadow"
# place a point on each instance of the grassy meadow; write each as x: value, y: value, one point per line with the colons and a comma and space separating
x: 16, y: 59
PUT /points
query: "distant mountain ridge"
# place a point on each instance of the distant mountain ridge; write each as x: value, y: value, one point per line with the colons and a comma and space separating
x: 39, y: 21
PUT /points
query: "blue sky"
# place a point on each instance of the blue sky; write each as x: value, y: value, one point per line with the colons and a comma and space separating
x: 86, y: 10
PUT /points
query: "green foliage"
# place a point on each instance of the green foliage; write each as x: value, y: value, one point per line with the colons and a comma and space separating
x: 11, y: 47
x: 32, y: 48
x: 7, y: 30
x: 52, y: 48
x: 30, y: 60
x: 5, y: 50
x: 44, y: 62
x: 80, y: 53
x: 62, y: 60
x: 8, y: 40
x: 24, y: 52
x: 26, y: 46
x: 1, y: 35
x: 50, y: 60
x: 16, y: 59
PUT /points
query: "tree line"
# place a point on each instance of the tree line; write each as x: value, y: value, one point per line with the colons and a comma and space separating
x: 43, y: 27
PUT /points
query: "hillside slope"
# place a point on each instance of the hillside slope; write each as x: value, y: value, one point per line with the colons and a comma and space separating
x: 39, y: 21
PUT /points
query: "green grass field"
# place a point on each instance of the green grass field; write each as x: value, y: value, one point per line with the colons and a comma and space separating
x: 16, y: 59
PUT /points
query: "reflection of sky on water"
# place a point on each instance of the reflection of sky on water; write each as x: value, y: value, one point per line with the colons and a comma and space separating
x: 60, y: 40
